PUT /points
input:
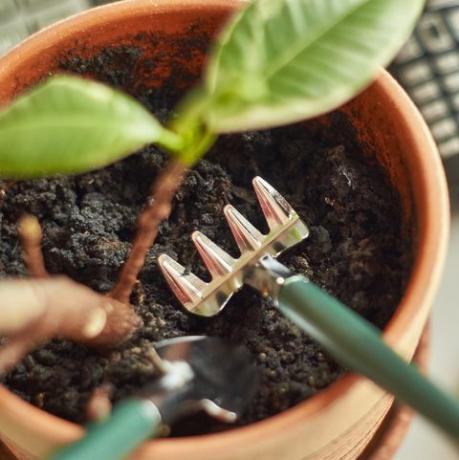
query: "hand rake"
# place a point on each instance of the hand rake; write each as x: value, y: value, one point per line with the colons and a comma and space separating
x: 350, y: 339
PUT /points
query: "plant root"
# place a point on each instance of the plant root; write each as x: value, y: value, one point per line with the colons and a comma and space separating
x: 99, y: 405
x: 37, y: 310
x: 29, y: 230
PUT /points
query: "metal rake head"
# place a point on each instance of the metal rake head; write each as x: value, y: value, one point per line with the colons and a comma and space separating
x: 207, y: 299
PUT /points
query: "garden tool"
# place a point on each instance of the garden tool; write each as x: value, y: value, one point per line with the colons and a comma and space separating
x: 199, y: 373
x: 350, y: 339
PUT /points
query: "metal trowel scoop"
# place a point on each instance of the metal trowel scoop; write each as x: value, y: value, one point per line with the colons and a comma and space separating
x: 199, y: 373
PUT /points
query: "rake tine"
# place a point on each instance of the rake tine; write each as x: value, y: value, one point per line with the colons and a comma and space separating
x: 186, y: 286
x: 217, y: 261
x: 275, y: 207
x: 247, y: 237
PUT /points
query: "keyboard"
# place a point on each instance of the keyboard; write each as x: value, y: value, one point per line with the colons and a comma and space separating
x: 428, y: 67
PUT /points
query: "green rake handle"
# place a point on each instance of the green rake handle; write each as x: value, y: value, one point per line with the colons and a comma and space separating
x: 132, y: 422
x: 357, y: 344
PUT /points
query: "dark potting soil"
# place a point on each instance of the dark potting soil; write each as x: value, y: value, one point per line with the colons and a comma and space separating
x: 355, y: 250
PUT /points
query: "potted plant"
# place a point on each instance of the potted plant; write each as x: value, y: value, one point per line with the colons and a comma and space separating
x: 400, y: 151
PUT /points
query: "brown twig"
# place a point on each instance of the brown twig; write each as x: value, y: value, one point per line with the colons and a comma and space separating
x: 158, y: 209
x: 31, y: 235
x: 37, y: 310
x: 161, y: 366
x: 99, y: 405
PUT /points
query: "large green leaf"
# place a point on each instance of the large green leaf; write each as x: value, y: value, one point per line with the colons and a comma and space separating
x: 280, y: 61
x: 70, y: 125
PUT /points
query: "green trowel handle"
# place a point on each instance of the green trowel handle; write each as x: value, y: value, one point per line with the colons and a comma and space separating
x: 132, y: 422
x: 357, y: 344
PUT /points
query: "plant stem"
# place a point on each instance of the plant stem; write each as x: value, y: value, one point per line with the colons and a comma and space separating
x: 158, y: 209
x: 171, y: 141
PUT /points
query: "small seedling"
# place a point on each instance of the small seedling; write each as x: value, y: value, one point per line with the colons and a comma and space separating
x: 276, y: 62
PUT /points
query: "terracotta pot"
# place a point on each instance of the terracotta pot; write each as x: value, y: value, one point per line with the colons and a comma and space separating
x: 341, y: 420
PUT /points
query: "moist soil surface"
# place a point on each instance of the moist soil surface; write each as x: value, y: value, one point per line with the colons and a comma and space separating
x: 355, y: 251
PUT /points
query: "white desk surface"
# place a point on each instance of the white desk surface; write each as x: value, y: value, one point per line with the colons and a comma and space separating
x: 424, y: 442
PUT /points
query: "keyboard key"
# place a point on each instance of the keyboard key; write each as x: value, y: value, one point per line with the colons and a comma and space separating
x: 452, y: 82
x: 448, y: 62
x: 453, y: 21
x: 435, y: 34
x: 444, y: 129
x: 449, y: 148
x: 426, y: 92
x: 410, y: 51
x: 435, y: 110
x: 416, y: 73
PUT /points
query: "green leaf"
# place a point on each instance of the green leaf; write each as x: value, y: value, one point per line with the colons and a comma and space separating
x: 71, y: 125
x: 280, y: 61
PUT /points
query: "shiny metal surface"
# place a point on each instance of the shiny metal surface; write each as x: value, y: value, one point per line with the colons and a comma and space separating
x: 228, y: 274
x: 202, y: 373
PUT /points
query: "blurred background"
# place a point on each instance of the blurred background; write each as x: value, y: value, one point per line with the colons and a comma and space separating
x: 428, y: 68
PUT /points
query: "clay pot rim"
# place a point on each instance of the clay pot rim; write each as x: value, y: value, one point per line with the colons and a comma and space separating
x: 433, y: 236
